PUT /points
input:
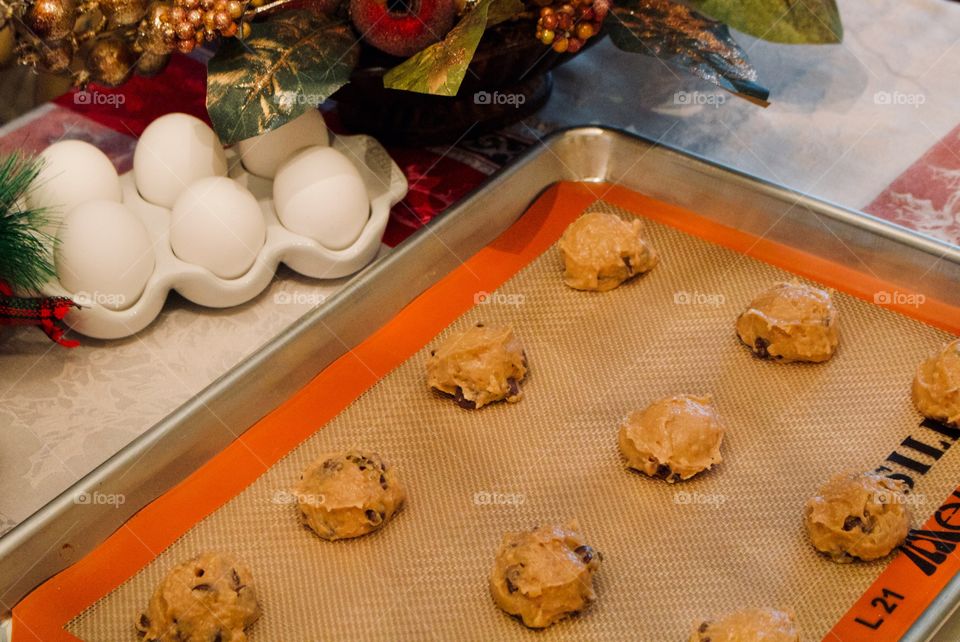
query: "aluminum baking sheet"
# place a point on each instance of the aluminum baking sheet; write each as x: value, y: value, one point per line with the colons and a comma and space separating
x: 592, y: 154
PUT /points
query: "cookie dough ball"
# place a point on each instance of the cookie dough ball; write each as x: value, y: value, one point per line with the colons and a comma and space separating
x: 790, y: 322
x: 674, y: 438
x: 749, y: 625
x: 601, y: 251
x: 936, y: 388
x: 479, y: 366
x: 208, y: 598
x: 544, y: 575
x: 348, y: 494
x: 858, y: 515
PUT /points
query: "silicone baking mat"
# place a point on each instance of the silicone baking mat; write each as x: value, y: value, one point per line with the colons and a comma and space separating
x: 673, y: 554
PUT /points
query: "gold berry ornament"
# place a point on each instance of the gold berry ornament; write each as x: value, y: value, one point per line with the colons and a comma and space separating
x: 122, y: 13
x: 51, y: 20
x: 110, y: 61
x: 196, y: 21
x: 567, y: 25
x: 155, y: 34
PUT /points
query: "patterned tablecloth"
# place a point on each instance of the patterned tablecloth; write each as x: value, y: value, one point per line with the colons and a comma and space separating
x: 872, y: 124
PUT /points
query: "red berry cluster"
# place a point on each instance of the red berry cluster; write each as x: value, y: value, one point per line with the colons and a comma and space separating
x: 567, y: 25
x: 195, y: 21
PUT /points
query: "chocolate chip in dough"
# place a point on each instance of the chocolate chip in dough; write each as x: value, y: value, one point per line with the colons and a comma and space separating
x: 585, y: 553
x: 462, y: 401
x: 511, y: 577
x: 760, y: 346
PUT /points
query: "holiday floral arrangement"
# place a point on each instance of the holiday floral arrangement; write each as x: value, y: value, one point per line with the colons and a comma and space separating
x: 276, y: 59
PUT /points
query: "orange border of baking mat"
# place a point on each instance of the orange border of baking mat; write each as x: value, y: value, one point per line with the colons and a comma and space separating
x: 43, y: 614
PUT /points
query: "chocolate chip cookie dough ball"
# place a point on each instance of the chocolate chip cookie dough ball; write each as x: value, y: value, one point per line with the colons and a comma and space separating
x: 479, y: 366
x: 208, y: 598
x: 748, y: 625
x: 790, y: 322
x: 674, y: 438
x: 858, y: 515
x: 348, y: 494
x: 936, y: 387
x: 544, y: 575
x: 601, y: 251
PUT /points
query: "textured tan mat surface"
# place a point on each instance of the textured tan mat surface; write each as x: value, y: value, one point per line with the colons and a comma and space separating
x: 672, y: 553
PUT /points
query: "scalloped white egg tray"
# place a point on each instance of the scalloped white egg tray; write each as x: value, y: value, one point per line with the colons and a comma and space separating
x: 385, y: 183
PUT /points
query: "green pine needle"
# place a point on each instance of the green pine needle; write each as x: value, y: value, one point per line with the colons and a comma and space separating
x: 25, y: 257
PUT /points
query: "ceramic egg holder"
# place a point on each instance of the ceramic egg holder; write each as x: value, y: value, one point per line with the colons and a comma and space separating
x: 385, y: 183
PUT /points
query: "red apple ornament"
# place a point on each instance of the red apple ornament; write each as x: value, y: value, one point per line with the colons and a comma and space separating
x: 403, y: 27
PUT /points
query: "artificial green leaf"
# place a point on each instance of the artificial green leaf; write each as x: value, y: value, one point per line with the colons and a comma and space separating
x: 503, y: 10
x: 288, y: 65
x: 439, y: 69
x: 788, y: 21
x: 683, y: 38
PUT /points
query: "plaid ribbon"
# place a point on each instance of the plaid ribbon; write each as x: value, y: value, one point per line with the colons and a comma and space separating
x: 45, y: 312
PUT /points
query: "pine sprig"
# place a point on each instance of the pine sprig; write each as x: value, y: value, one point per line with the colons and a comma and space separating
x: 24, y: 249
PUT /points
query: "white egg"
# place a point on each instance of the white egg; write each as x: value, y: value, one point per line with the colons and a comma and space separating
x: 263, y: 154
x: 218, y: 224
x: 173, y: 152
x: 319, y: 193
x: 73, y: 172
x: 105, y: 255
